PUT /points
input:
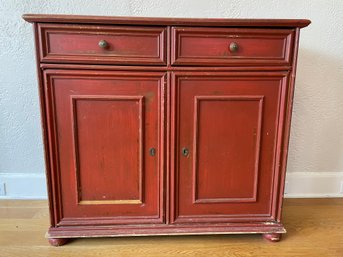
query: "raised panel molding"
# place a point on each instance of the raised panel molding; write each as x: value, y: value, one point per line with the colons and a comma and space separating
x: 237, y: 98
x: 246, y: 107
x: 60, y: 87
x: 94, y: 98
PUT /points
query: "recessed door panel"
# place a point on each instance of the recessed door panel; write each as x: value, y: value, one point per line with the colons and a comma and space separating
x: 109, y: 138
x: 105, y: 125
x: 221, y: 148
x: 225, y: 135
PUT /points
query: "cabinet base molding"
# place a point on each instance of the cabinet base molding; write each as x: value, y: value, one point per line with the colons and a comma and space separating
x: 110, y: 231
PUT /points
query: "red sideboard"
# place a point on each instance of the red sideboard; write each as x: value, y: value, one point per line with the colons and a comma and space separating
x: 161, y: 126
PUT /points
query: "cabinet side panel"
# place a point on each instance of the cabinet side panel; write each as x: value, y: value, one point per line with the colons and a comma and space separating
x: 52, y: 194
x: 286, y: 127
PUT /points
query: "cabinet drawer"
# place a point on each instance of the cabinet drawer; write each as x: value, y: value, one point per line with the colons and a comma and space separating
x: 233, y: 46
x: 102, y: 44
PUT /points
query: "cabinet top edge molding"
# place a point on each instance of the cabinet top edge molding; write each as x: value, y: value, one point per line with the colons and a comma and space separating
x: 219, y: 22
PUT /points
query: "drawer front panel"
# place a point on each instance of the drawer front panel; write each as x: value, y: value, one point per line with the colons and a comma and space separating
x: 102, y: 44
x: 218, y: 46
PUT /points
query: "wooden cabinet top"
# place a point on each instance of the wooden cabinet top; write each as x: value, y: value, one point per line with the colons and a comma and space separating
x: 218, y: 22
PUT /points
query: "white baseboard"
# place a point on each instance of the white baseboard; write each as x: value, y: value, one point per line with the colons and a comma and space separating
x: 298, y: 184
x: 22, y: 186
x: 314, y: 184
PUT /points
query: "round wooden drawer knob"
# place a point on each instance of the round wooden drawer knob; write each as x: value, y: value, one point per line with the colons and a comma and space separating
x: 103, y: 44
x: 233, y: 47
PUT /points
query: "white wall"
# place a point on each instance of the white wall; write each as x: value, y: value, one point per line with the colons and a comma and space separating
x: 315, y: 166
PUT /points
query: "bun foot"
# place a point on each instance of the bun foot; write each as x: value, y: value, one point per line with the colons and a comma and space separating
x: 58, y: 241
x: 272, y: 237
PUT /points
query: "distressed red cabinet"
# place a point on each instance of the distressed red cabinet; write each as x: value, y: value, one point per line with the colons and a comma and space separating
x: 157, y: 126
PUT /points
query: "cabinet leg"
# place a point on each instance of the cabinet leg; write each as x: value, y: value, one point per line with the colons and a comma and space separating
x: 58, y: 241
x: 272, y: 237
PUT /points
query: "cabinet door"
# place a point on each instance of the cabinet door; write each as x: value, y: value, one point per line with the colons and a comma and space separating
x: 225, y: 133
x: 105, y: 130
